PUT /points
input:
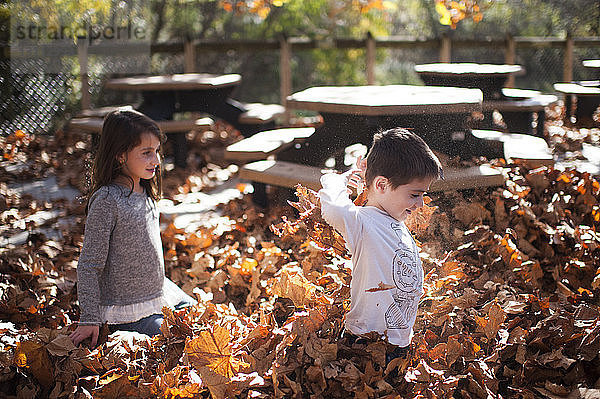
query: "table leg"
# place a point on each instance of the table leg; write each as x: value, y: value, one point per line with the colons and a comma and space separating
x: 518, y: 121
x: 230, y: 111
x: 217, y: 102
x: 585, y: 109
x: 541, y: 121
x: 490, y: 85
x: 568, y: 108
x: 329, y: 140
x: 341, y: 130
x: 160, y: 106
x: 488, y: 120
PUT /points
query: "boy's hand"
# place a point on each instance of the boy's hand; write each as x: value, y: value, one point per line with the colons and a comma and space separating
x: 356, y: 179
x: 361, y: 164
x: 83, y: 332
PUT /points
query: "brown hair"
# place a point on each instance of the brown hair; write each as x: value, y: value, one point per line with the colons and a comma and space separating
x: 401, y: 156
x: 122, y: 131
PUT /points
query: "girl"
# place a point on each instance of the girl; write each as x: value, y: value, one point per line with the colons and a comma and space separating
x: 120, y: 275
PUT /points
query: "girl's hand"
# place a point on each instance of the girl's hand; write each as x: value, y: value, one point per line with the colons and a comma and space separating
x: 83, y: 332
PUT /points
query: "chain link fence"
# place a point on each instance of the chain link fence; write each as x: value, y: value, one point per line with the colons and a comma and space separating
x: 32, y: 101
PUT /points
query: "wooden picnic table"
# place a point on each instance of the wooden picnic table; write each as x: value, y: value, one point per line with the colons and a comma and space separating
x: 519, y: 108
x: 591, y: 64
x: 586, y: 96
x: 490, y: 78
x: 164, y: 95
x: 352, y: 114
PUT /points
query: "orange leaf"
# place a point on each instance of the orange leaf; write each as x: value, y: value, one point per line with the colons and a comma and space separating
x: 438, y: 351
x: 212, y: 348
x: 381, y: 287
x: 564, y: 178
x: 202, y: 240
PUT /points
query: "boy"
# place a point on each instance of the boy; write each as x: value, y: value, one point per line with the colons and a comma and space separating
x: 397, y: 172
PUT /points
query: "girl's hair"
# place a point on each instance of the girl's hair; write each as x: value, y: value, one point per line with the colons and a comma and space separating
x: 401, y: 156
x: 122, y: 131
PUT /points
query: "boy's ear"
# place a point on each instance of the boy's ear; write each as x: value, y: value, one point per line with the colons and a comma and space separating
x: 380, y: 183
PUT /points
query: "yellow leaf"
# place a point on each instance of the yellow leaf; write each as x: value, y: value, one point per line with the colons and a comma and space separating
x: 247, y: 266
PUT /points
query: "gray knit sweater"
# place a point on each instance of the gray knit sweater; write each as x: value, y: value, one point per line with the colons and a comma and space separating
x: 121, y: 262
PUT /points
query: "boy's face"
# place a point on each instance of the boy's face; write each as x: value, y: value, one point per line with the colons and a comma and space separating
x: 401, y: 201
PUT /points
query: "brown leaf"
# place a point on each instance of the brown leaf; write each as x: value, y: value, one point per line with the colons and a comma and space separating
x: 33, y: 357
x: 294, y: 286
x: 320, y: 349
x: 496, y: 317
x: 217, y: 383
x: 60, y: 346
x: 471, y: 212
x: 418, y: 221
x: 116, y: 388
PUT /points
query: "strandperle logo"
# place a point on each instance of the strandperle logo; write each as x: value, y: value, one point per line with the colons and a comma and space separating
x: 48, y: 35
x: 91, y: 33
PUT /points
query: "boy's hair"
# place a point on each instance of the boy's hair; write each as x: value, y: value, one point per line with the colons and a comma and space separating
x: 401, y: 156
x: 121, y: 132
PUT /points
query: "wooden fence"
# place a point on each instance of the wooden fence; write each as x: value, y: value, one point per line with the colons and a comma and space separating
x: 445, y: 44
x: 286, y: 46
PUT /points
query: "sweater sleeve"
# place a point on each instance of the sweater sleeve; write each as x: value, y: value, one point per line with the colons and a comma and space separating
x: 100, y: 222
x: 338, y: 209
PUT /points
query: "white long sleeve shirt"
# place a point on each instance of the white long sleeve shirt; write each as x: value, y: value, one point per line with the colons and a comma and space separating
x: 384, y: 254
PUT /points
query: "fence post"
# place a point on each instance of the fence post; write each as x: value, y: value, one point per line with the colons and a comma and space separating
x: 82, y: 56
x: 285, y: 74
x: 370, y: 59
x: 510, y: 57
x: 189, y: 56
x: 445, y: 48
x: 568, y: 60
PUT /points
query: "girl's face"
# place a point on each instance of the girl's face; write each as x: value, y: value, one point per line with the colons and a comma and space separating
x: 142, y: 160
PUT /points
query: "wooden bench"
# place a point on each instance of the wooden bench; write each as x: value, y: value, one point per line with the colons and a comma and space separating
x: 264, y: 144
x: 515, y: 147
x: 288, y: 174
x: 94, y: 125
x: 103, y: 111
x: 258, y: 113
x: 174, y: 128
x: 519, y: 108
x: 586, y: 95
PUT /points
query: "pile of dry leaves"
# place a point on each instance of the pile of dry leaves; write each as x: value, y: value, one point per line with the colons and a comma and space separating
x: 510, y: 310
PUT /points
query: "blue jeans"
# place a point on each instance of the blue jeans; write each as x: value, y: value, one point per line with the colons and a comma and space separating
x: 149, y: 325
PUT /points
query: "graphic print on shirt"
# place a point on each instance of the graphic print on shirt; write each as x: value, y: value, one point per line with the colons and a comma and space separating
x: 405, y: 272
